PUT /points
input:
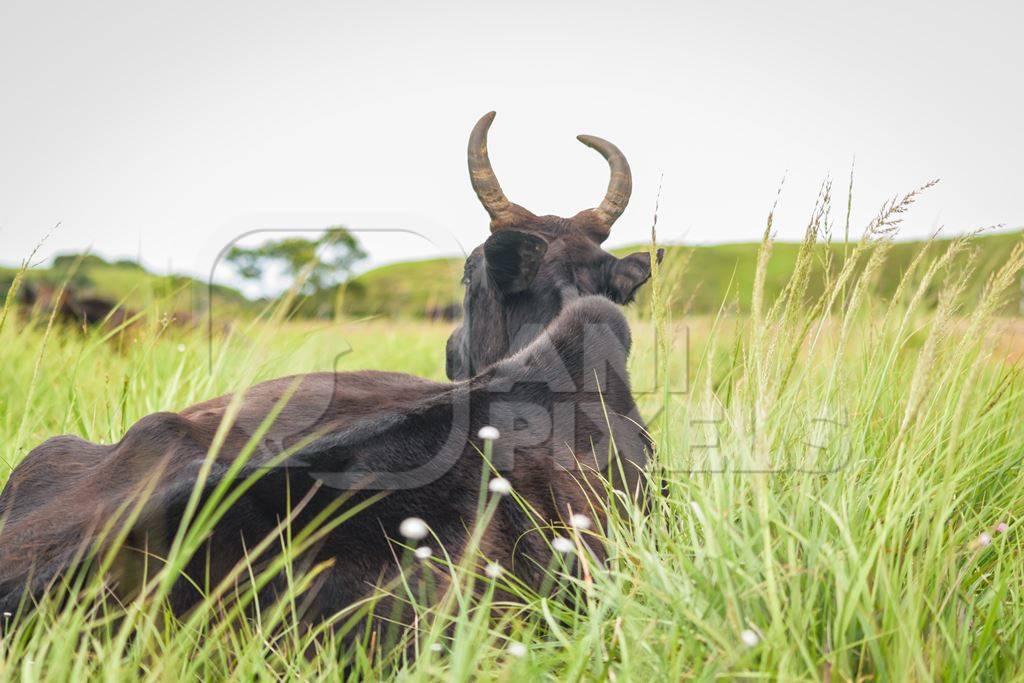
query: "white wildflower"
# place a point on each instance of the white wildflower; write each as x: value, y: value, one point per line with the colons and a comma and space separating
x: 423, y: 552
x: 562, y: 544
x: 489, y: 433
x: 580, y: 521
x: 499, y: 485
x: 517, y: 649
x: 493, y: 570
x: 749, y: 637
x: 413, y: 528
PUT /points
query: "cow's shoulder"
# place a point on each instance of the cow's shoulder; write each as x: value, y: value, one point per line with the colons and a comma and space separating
x: 590, y: 335
x: 592, y: 312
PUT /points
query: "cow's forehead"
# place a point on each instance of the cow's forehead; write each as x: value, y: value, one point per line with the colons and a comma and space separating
x: 561, y: 245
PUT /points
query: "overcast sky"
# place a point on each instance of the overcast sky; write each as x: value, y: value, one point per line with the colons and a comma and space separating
x: 167, y: 129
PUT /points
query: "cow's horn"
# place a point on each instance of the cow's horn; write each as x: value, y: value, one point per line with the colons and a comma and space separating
x: 485, y: 183
x: 619, y: 187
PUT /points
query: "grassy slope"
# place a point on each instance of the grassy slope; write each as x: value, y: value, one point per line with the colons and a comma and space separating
x: 893, y: 441
x: 703, y: 277
x: 132, y: 285
x: 406, y: 289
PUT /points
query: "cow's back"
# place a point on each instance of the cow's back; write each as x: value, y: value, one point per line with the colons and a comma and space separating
x: 67, y: 491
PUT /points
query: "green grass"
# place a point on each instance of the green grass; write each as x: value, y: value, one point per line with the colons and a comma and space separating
x: 831, y: 463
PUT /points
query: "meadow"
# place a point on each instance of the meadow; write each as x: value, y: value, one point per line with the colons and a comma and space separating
x: 840, y: 474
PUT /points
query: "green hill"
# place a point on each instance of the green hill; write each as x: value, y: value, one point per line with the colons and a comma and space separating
x: 406, y: 289
x: 705, y: 277
x: 701, y: 278
x: 130, y: 284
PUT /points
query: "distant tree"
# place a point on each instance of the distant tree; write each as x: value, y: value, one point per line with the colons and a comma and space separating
x: 66, y: 261
x: 75, y: 270
x: 322, y: 263
x: 129, y: 263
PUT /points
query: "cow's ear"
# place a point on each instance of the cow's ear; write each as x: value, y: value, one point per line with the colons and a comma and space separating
x: 512, y: 258
x: 628, y: 274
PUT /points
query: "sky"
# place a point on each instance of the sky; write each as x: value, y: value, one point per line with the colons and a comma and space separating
x: 165, y: 131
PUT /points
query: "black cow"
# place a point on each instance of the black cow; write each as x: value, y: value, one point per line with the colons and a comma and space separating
x: 549, y: 371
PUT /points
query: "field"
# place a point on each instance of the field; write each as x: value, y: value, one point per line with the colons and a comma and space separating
x: 842, y: 491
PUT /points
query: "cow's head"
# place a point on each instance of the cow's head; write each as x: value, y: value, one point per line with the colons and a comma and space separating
x: 531, y: 266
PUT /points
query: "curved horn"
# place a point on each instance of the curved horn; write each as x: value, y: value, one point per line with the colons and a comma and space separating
x: 485, y: 183
x: 619, y: 187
